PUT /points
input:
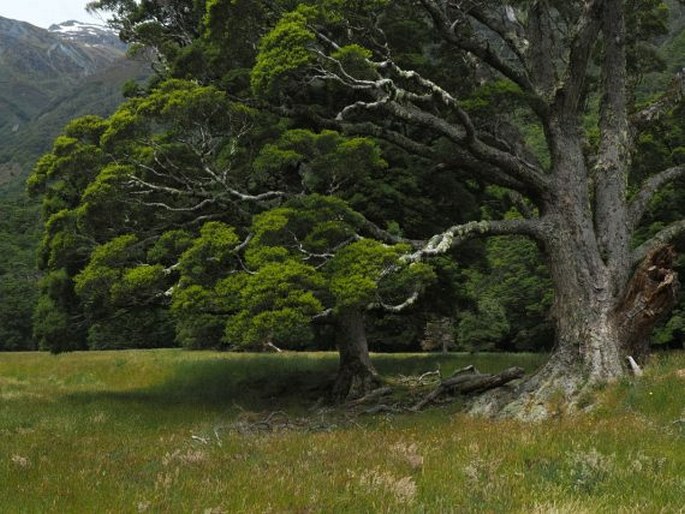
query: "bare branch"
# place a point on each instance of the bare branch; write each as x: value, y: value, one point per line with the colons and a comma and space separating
x: 639, y: 204
x: 390, y: 136
x: 443, y: 242
x: 387, y: 95
x: 665, y: 103
x: 530, y: 176
x: 506, y: 26
x: 261, y: 197
x: 193, y: 208
x: 373, y: 230
x: 472, y: 43
x: 663, y: 237
x: 411, y: 300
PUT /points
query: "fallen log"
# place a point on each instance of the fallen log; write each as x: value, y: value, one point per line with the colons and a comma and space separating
x: 470, y: 380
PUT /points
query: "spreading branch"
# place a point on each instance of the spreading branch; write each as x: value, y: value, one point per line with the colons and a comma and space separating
x: 663, y: 105
x: 640, y: 202
x: 453, y: 33
x: 506, y: 27
x: 662, y: 238
x: 386, y: 94
x: 443, y: 242
x: 411, y: 300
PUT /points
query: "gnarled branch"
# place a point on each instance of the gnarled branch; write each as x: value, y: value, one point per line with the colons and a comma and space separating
x: 585, y: 36
x: 480, y: 48
x: 640, y: 202
x: 443, y: 242
x: 664, y: 104
x: 663, y: 237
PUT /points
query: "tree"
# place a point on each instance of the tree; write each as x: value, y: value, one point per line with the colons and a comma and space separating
x: 304, y: 261
x: 567, y: 66
x: 61, y: 177
x: 18, y: 279
x: 134, y: 235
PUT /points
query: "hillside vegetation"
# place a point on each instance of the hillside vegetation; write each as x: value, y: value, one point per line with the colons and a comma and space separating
x: 173, y: 431
x: 50, y: 77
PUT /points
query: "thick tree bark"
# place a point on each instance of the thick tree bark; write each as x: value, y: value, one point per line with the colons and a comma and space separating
x: 356, y: 375
x: 598, y: 322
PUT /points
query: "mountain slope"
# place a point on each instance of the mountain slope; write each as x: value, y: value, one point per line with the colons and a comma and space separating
x: 48, y: 77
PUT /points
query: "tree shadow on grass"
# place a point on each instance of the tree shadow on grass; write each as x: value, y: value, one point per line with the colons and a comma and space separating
x: 258, y: 383
x: 291, y: 381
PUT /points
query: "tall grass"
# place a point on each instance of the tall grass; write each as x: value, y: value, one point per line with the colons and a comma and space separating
x: 154, y: 431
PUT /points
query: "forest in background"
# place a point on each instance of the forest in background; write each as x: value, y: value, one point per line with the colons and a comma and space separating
x: 496, y: 297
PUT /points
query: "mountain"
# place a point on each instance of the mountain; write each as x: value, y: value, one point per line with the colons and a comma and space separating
x: 48, y: 77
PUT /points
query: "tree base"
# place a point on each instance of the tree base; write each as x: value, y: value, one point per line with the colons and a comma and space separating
x: 551, y: 392
x: 351, y: 384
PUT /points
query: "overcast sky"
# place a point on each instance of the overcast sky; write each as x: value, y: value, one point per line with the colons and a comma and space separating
x: 44, y: 13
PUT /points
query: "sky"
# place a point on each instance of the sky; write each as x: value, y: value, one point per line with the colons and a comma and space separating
x: 44, y: 13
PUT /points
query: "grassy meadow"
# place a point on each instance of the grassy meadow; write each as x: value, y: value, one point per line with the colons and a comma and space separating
x: 202, y: 432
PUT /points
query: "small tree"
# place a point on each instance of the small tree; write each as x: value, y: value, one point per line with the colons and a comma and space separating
x: 304, y: 262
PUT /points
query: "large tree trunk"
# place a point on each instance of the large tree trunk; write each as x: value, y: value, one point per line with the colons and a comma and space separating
x: 598, y: 325
x: 356, y: 374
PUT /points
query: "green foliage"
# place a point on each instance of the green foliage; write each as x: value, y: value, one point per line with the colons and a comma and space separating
x: 284, y: 52
x: 480, y: 329
x: 210, y: 256
x: 18, y: 295
x: 511, y: 300
x: 166, y: 27
x: 19, y: 222
x: 57, y: 322
x: 276, y: 305
x: 126, y: 199
x: 169, y: 246
x: 355, y: 60
x: 104, y: 269
x: 200, y: 303
x: 121, y: 297
x: 302, y: 259
x: 367, y: 271
x: 199, y: 316
x: 327, y: 161
x: 92, y: 208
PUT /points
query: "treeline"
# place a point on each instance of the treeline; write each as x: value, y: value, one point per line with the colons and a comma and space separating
x: 224, y: 205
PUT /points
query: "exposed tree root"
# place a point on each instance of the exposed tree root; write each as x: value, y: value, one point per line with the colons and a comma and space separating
x: 551, y: 392
x: 369, y: 397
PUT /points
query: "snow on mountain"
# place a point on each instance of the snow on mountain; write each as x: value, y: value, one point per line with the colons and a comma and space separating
x: 89, y: 34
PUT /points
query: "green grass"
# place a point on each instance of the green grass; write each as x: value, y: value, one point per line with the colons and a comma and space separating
x: 155, y: 431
